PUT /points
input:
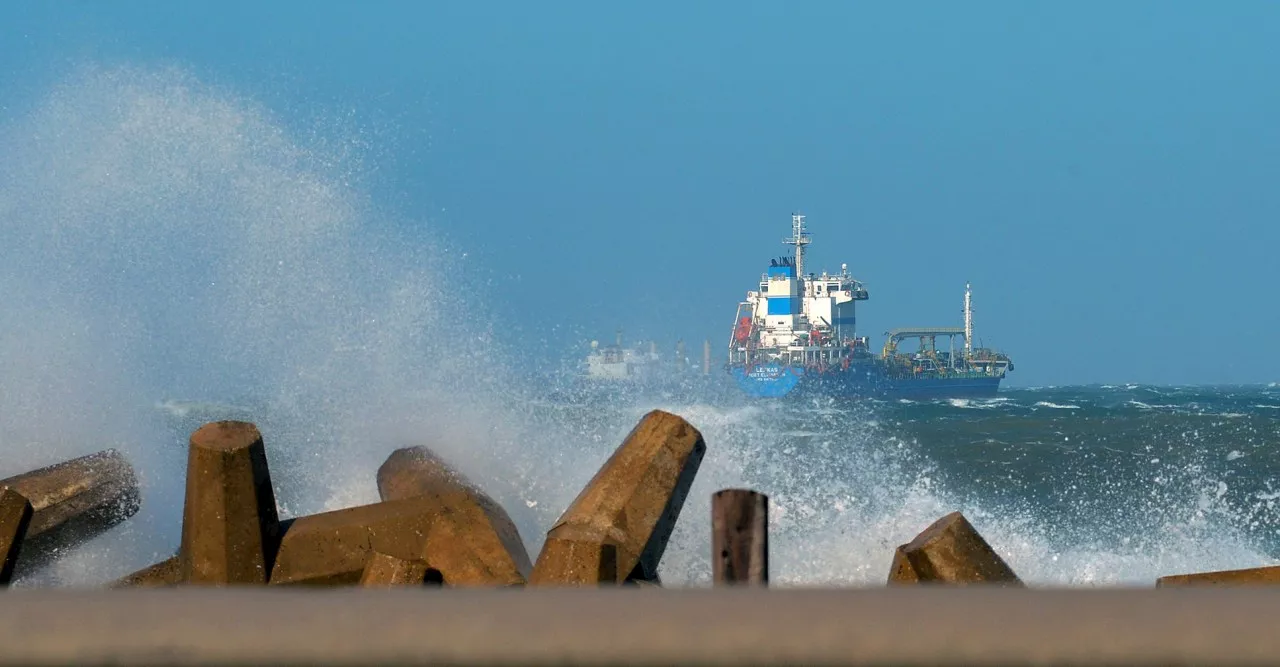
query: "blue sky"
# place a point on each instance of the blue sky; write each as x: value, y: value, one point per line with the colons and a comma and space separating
x: 1104, y: 173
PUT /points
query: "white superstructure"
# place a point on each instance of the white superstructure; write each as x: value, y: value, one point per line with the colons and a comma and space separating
x: 795, y: 317
x: 615, y: 362
x: 641, y: 362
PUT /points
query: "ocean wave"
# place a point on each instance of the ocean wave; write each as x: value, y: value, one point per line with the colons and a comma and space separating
x: 1148, y: 406
x: 968, y: 404
x: 1057, y: 406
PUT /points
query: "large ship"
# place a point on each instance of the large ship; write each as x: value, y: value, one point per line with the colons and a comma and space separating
x: 797, y: 336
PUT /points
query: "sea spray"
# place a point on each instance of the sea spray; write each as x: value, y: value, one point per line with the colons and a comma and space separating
x: 165, y: 239
x: 174, y: 254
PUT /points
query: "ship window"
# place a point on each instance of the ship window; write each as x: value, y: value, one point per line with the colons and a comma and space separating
x: 834, y: 286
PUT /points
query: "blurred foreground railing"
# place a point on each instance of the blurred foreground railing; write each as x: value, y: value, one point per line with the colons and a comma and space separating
x: 638, y: 626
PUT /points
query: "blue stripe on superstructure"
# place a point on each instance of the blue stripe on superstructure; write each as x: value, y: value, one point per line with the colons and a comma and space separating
x: 785, y: 271
x: 783, y: 305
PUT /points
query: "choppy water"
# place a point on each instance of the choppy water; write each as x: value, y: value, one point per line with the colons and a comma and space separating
x: 1075, y: 486
x: 174, y: 254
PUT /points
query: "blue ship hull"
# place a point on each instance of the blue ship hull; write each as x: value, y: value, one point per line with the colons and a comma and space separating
x: 859, y: 380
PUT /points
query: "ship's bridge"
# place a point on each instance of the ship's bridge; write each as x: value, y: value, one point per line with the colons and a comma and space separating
x: 829, y: 304
x: 841, y: 287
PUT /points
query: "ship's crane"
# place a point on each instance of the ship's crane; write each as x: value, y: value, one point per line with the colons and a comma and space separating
x: 968, y: 322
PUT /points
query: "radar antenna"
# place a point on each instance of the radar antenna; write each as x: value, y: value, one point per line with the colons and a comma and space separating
x: 799, y: 239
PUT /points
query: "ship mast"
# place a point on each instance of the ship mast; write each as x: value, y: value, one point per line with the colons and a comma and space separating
x: 968, y: 322
x: 799, y: 239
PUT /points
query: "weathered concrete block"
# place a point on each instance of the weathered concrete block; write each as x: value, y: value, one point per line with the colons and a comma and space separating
x: 332, y: 548
x: 167, y: 572
x: 15, y: 519
x: 952, y: 552
x: 462, y: 546
x: 74, y: 501
x: 578, y: 559
x: 415, y: 471
x: 900, y: 570
x: 1254, y: 576
x: 475, y: 542
x: 632, y: 503
x: 230, y: 528
x: 384, y: 571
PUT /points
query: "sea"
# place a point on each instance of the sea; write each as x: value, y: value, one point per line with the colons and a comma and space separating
x: 1107, y: 485
x: 175, y: 252
x: 1099, y: 485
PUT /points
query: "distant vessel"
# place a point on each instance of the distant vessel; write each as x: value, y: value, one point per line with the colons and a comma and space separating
x: 797, y: 335
x: 618, y: 364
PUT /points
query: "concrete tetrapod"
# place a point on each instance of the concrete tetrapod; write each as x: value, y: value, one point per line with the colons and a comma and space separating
x: 626, y: 513
x: 385, y: 571
x: 333, y: 548
x: 230, y: 526
x: 474, y: 541
x: 952, y: 552
x: 1253, y: 576
x: 167, y: 572
x: 74, y: 501
x: 416, y: 471
x: 15, y: 519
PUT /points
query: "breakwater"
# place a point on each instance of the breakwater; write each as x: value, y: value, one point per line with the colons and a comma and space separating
x: 434, y: 526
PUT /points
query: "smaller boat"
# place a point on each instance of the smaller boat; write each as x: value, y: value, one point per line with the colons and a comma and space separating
x: 616, y: 363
